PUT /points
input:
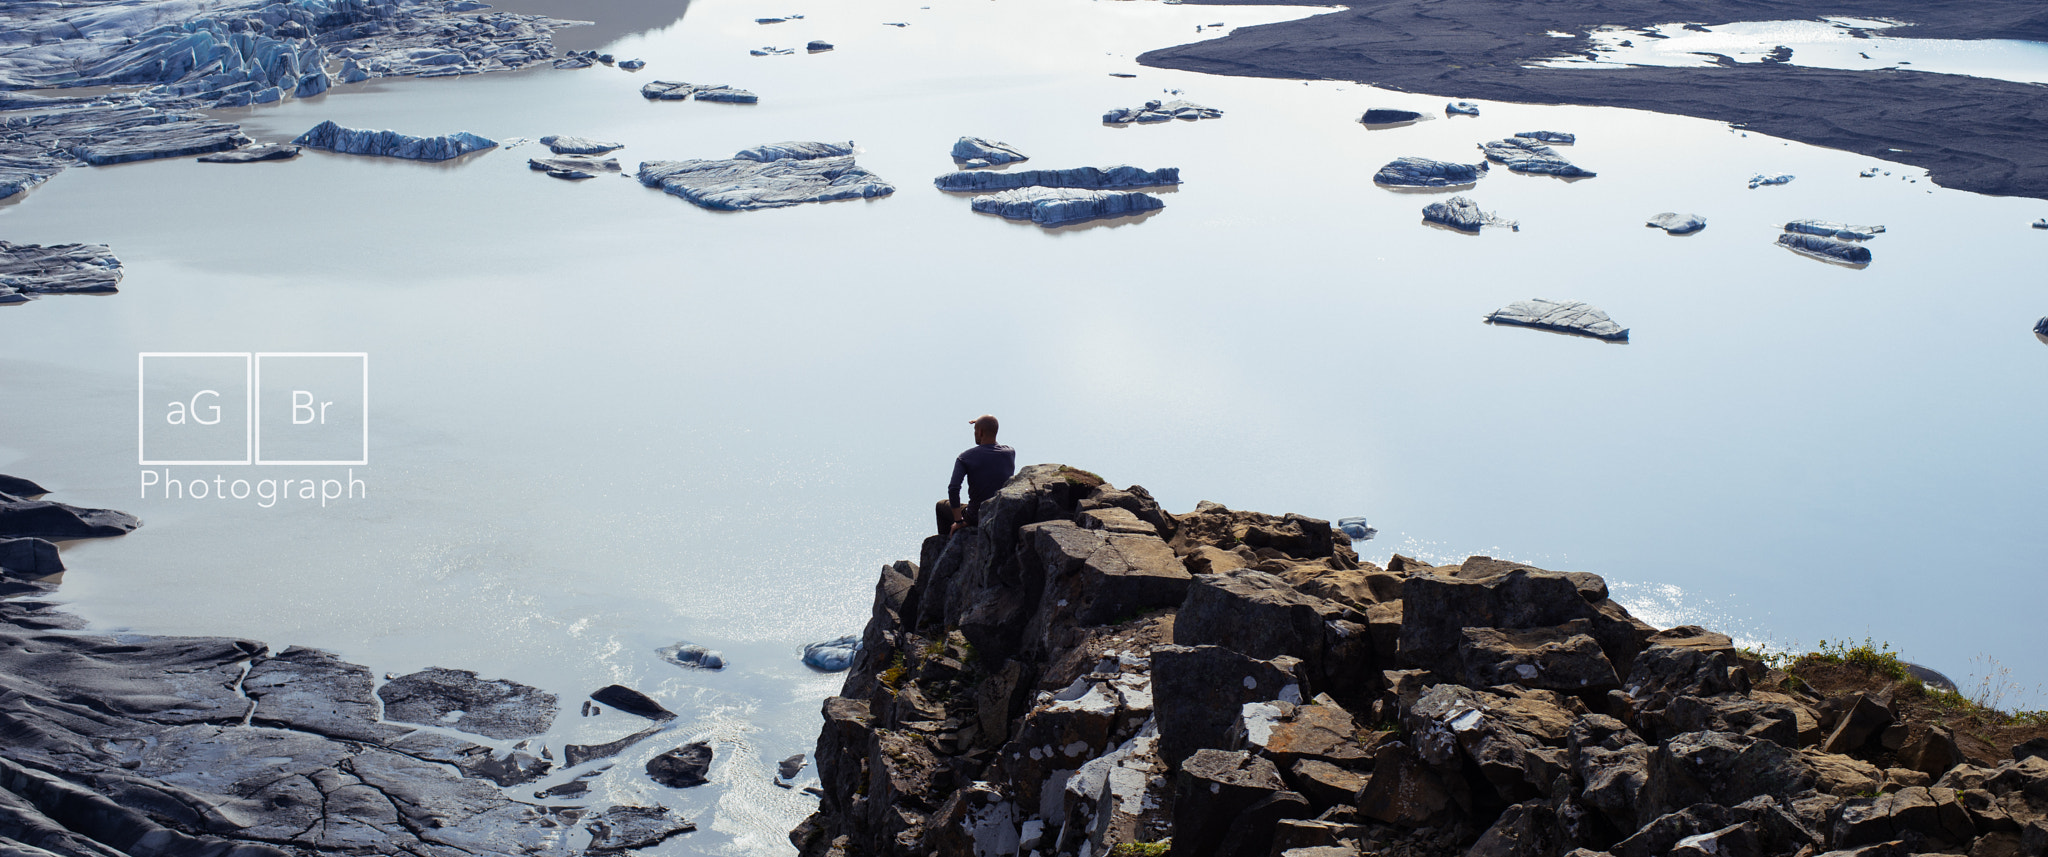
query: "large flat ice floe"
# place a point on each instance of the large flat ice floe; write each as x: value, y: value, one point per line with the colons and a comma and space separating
x: 1060, y: 206
x: 1573, y: 317
x: 771, y: 176
x: 27, y: 270
x: 1423, y: 172
x: 1092, y: 178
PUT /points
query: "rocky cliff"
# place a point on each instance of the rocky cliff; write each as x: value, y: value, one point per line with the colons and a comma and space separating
x: 1084, y: 674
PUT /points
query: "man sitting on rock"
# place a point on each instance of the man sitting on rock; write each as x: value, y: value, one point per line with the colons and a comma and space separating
x: 985, y: 466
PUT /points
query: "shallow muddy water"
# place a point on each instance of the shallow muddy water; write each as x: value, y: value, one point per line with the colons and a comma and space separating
x: 603, y: 421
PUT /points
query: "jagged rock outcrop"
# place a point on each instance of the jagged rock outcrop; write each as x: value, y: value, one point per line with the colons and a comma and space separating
x: 983, y: 152
x: 1526, y: 155
x: 391, y: 144
x: 1084, y: 670
x: 1059, y: 207
x: 1160, y: 111
x: 1573, y: 317
x: 771, y: 176
x: 27, y: 270
x: 49, y: 519
x: 1087, y: 178
x: 1423, y: 172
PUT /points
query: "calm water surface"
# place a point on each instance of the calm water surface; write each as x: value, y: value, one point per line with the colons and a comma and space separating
x: 604, y: 421
x: 1842, y: 43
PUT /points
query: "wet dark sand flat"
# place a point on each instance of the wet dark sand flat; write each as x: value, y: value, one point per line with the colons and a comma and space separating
x: 1970, y: 133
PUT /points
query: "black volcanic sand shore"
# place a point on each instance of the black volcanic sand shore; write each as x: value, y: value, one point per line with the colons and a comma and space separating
x: 1971, y: 134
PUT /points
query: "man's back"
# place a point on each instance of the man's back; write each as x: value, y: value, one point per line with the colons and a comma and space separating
x: 986, y: 467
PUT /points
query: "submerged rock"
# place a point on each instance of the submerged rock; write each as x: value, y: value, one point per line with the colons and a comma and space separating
x: 1762, y: 179
x: 562, y: 144
x: 682, y: 767
x: 1060, y: 206
x: 1090, y: 178
x: 669, y: 90
x: 49, y: 519
x: 56, y: 269
x: 252, y: 154
x: 1462, y: 214
x: 459, y: 700
x: 1678, y: 224
x: 1527, y: 156
x: 1831, y: 229
x: 1571, y: 317
x: 1423, y: 172
x: 1388, y: 116
x: 1549, y: 136
x: 391, y: 144
x: 788, y: 768
x: 767, y: 177
x: 577, y: 754
x: 832, y: 655
x: 1825, y: 248
x: 1159, y: 111
x: 1461, y: 108
x: 167, y: 140
x: 983, y: 152
x: 573, y: 168
x: 630, y: 828
x: 694, y: 657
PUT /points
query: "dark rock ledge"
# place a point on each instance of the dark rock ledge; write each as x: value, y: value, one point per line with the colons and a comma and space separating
x: 1084, y: 671
x: 143, y: 746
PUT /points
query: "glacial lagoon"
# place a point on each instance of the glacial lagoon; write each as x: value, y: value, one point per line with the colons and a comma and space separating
x: 604, y: 421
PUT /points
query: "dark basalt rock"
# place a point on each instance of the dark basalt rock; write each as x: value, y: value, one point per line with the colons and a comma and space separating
x: 309, y: 690
x: 29, y: 558
x: 514, y: 768
x: 1057, y: 207
x: 493, y: 708
x: 629, y: 828
x: 253, y: 154
x: 1423, y: 172
x: 632, y: 701
x: 577, y: 754
x: 1828, y: 249
x: 1573, y: 317
x: 1388, y: 116
x: 788, y: 768
x: 48, y: 519
x: 682, y: 767
x: 55, y: 269
x: 16, y: 485
x: 1089, y: 178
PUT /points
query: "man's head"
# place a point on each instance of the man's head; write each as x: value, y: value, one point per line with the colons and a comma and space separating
x: 984, y: 428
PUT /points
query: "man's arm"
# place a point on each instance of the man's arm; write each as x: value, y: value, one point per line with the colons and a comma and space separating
x: 953, y: 489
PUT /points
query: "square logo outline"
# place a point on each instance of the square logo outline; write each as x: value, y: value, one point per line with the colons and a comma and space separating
x: 256, y: 403
x: 141, y: 407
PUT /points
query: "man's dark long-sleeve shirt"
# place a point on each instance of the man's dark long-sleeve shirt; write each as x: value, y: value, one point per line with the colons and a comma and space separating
x: 986, y: 467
